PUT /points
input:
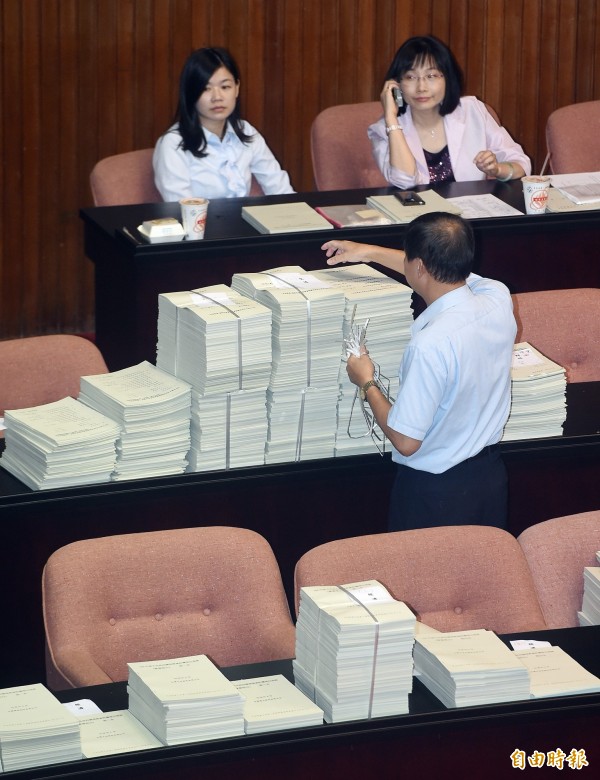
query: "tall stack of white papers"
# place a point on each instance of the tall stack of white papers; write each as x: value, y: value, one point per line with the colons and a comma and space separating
x: 185, y: 700
x: 465, y: 668
x: 274, y: 704
x: 35, y: 729
x: 354, y: 650
x: 59, y: 444
x: 221, y: 342
x: 538, y: 387
x: 152, y: 409
x: 303, y: 386
x: 554, y: 673
x: 385, y: 304
x: 109, y: 733
x: 590, y: 606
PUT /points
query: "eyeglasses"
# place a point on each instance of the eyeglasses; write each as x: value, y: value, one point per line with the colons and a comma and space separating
x: 430, y: 78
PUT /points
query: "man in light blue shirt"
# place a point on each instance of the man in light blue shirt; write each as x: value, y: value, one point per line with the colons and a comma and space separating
x: 454, y: 395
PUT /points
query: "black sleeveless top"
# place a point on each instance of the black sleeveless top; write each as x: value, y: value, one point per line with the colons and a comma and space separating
x: 440, y: 167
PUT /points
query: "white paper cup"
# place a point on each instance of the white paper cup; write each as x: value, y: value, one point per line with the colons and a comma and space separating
x: 193, y: 217
x: 535, y: 193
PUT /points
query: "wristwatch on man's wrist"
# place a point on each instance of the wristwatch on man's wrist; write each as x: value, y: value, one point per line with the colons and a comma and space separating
x: 365, y: 388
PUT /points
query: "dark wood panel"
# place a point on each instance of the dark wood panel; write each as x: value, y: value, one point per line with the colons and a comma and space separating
x: 82, y: 80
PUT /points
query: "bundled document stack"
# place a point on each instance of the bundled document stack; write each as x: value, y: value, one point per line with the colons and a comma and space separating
x: 554, y: 673
x: 303, y: 387
x: 274, y: 704
x: 185, y: 700
x: 385, y: 304
x: 465, y: 668
x: 538, y: 387
x: 59, y: 444
x: 152, y: 409
x: 109, y: 733
x: 590, y: 606
x: 354, y: 650
x: 221, y: 341
x: 35, y: 729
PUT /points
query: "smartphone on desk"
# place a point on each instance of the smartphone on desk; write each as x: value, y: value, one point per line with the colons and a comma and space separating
x: 409, y: 198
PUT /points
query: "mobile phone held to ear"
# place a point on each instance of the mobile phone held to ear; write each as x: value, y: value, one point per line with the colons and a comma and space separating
x: 397, y: 95
x: 409, y: 198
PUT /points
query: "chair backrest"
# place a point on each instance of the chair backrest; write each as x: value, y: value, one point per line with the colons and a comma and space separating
x: 39, y: 369
x: 557, y: 551
x: 340, y: 149
x: 162, y: 594
x: 124, y: 179
x: 565, y: 326
x: 573, y: 138
x: 454, y: 578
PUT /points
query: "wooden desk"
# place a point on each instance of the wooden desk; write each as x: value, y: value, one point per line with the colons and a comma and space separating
x: 542, y: 252
x: 428, y: 742
x: 295, y: 506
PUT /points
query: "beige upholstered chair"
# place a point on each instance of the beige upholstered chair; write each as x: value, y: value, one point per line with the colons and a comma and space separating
x: 454, y: 578
x: 573, y: 138
x: 40, y: 369
x: 162, y: 594
x: 557, y: 551
x: 128, y: 178
x: 565, y: 326
x: 124, y: 179
x: 341, y: 151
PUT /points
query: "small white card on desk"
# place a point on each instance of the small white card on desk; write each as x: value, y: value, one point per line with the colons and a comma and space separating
x: 82, y: 707
x: 528, y: 644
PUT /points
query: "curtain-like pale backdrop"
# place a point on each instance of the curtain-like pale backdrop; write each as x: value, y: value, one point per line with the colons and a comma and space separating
x: 84, y: 79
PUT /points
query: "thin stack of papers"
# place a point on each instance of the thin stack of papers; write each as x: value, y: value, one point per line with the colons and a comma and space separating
x: 152, y: 409
x: 391, y: 207
x: 285, y: 218
x: 185, y: 700
x: 354, y: 650
x: 306, y: 339
x: 59, y: 444
x: 35, y: 729
x: 538, y: 387
x: 590, y: 606
x: 465, y: 668
x: 274, y: 704
x: 554, y: 673
x: 114, y: 732
x: 385, y: 304
x: 353, y: 216
x: 579, y: 188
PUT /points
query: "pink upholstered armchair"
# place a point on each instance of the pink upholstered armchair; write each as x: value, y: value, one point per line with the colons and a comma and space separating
x: 557, y: 551
x: 565, y: 326
x: 40, y: 369
x: 453, y: 577
x: 573, y: 138
x: 163, y: 594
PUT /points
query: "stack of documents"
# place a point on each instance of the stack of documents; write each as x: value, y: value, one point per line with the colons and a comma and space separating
x: 169, y: 305
x: 554, y: 673
x: 35, y: 729
x: 274, y: 704
x: 59, y: 444
x: 391, y: 207
x: 579, y: 188
x: 590, y: 606
x: 385, y: 304
x: 354, y: 650
x: 109, y: 733
x: 465, y: 668
x: 285, y: 218
x: 538, y: 387
x: 306, y: 337
x: 185, y: 700
x: 152, y: 409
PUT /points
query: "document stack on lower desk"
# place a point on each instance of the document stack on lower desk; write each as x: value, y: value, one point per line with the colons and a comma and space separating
x: 525, y: 252
x: 431, y: 740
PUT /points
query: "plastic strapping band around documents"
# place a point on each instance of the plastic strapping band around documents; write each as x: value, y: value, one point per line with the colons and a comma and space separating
x: 298, y: 453
x: 239, y: 332
x: 375, y: 644
x: 228, y: 431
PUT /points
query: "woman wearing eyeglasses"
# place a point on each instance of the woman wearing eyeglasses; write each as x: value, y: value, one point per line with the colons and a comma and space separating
x: 429, y: 133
